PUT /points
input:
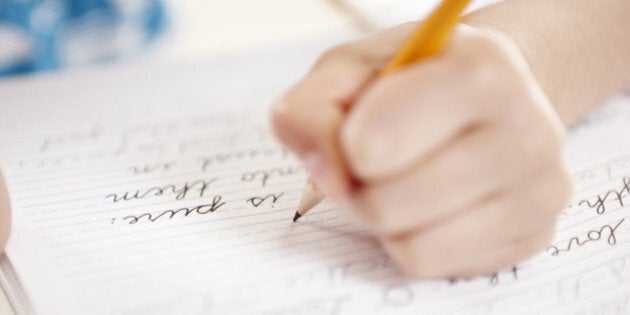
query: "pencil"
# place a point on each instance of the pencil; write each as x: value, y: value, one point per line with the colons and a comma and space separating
x: 427, y: 40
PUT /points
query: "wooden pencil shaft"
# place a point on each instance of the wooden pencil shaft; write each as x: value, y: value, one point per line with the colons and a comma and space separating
x: 430, y: 37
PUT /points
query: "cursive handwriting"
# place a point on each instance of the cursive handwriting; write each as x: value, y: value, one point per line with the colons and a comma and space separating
x: 229, y: 156
x: 180, y: 191
x: 217, y: 202
x: 264, y: 175
x: 74, y: 138
x: 152, y: 168
x: 257, y: 201
x: 50, y: 160
x: 599, y: 204
x: 493, y: 278
x: 591, y: 236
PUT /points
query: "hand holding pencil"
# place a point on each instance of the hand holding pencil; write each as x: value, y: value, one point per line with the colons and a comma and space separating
x: 453, y: 161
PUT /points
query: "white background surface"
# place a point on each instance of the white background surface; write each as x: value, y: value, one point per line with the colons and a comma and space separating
x: 201, y: 29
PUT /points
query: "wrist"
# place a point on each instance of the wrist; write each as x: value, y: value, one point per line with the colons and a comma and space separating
x: 577, y: 50
x: 525, y: 57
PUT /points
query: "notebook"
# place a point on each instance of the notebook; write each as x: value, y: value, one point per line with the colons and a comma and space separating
x: 160, y: 190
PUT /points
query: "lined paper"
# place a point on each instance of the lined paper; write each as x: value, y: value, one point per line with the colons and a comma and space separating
x: 161, y: 191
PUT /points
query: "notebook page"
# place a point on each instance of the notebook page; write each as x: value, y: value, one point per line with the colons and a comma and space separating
x: 161, y: 191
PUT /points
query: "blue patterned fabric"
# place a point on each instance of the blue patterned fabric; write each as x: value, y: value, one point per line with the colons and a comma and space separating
x: 38, y: 35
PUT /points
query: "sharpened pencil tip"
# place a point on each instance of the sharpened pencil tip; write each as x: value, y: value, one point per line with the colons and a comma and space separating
x: 297, y: 216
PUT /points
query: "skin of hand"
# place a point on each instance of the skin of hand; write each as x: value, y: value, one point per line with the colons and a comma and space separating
x: 5, y: 213
x: 454, y: 162
x: 579, y: 50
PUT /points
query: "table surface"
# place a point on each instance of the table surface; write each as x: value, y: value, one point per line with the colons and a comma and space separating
x: 194, y: 33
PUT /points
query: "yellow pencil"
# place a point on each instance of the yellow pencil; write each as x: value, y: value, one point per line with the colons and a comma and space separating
x: 427, y: 40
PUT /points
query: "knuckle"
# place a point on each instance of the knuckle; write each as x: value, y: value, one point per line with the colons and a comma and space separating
x: 480, y: 71
x: 491, y: 66
x: 484, y: 80
x: 483, y: 55
x: 494, y: 46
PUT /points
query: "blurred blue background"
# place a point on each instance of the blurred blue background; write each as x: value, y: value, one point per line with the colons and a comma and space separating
x: 47, y: 34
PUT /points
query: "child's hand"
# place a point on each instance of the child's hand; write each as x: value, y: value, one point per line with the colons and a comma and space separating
x: 5, y: 214
x: 455, y: 163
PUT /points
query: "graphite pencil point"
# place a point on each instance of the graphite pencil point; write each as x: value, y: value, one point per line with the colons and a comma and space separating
x: 297, y: 216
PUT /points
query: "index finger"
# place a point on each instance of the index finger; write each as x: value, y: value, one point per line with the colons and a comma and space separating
x: 307, y: 119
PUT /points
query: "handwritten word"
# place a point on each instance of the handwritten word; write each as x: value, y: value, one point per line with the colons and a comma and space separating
x: 599, y: 204
x: 217, y: 202
x: 257, y: 201
x: 229, y: 156
x: 59, y: 160
x: 493, y: 278
x: 150, y: 129
x: 591, y: 236
x: 151, y: 148
x: 592, y: 174
x: 71, y: 138
x: 217, y: 139
x: 151, y: 168
x: 180, y: 191
x: 264, y: 175
x: 603, y: 171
